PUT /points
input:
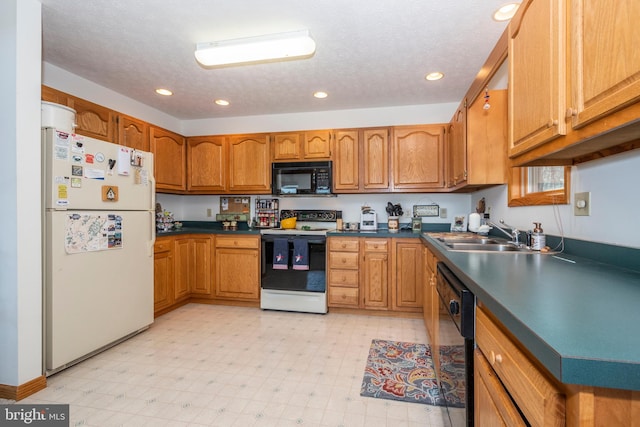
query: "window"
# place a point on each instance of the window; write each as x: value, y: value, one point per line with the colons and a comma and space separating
x: 539, y: 185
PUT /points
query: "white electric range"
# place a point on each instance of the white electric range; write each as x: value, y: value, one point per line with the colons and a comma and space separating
x: 293, y: 265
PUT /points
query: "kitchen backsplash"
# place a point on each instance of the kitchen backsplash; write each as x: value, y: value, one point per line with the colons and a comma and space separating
x: 194, y: 208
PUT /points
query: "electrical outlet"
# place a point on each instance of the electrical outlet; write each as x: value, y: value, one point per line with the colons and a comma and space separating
x: 443, y: 212
x: 582, y: 204
x: 208, y: 212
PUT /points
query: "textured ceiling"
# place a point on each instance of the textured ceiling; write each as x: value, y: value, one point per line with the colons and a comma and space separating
x: 370, y: 53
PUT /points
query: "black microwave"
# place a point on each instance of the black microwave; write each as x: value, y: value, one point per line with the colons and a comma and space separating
x: 301, y: 178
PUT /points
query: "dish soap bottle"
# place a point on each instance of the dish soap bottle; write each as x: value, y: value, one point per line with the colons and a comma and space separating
x: 538, y: 239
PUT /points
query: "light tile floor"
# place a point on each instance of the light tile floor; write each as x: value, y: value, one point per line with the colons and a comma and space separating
x: 209, y: 365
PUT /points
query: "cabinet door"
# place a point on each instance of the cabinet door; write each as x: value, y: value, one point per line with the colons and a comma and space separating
x: 163, y: 277
x: 345, y: 164
x: 408, y: 271
x: 487, y: 140
x: 169, y: 153
x: 206, y: 164
x: 457, y: 147
x: 317, y: 145
x: 237, y: 274
x: 375, y: 280
x: 249, y: 163
x: 537, y: 74
x: 418, y: 157
x: 375, y: 159
x: 287, y: 146
x: 184, y: 257
x: 133, y: 133
x: 202, y: 265
x: 93, y: 120
x: 605, y: 63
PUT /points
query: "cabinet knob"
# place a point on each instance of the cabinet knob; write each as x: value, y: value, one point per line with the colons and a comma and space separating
x: 571, y: 112
x: 552, y: 123
x: 495, y: 357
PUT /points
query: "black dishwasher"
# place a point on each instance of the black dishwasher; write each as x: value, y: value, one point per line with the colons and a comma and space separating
x: 454, y: 347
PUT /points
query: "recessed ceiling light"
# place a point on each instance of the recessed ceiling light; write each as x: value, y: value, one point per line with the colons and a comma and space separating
x: 222, y: 102
x: 320, y: 94
x: 165, y: 92
x: 506, y: 12
x: 436, y: 75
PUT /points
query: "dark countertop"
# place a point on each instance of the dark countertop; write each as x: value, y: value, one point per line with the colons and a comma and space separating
x: 579, y: 317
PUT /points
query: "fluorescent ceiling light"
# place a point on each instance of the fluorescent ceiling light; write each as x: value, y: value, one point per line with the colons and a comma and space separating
x: 294, y: 44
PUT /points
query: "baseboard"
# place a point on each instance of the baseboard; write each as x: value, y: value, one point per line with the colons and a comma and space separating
x: 19, y: 392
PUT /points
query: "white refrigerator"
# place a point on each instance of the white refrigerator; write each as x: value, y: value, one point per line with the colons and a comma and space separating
x: 99, y: 232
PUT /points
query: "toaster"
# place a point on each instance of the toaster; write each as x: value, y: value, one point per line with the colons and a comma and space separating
x: 368, y: 220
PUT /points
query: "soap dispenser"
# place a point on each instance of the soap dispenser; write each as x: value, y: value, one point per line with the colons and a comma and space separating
x: 538, y: 239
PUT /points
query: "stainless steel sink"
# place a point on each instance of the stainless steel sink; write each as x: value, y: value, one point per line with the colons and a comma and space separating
x: 482, y: 244
x: 488, y: 247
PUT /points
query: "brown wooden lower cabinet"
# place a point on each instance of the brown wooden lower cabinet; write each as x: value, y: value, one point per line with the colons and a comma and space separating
x: 163, y: 278
x: 375, y: 273
x: 237, y: 267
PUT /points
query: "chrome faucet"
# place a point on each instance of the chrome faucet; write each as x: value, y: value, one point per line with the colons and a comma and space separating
x: 514, y: 235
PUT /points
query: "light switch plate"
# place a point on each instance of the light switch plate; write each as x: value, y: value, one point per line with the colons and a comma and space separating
x: 582, y: 204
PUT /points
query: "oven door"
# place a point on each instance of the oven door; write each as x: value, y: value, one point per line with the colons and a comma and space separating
x: 290, y: 279
x: 453, y: 349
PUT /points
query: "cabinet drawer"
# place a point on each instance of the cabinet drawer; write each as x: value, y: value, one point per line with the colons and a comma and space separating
x: 162, y: 245
x: 348, y: 278
x: 346, y: 260
x: 539, y: 400
x: 343, y: 296
x: 348, y: 245
x: 237, y: 242
x: 376, y: 245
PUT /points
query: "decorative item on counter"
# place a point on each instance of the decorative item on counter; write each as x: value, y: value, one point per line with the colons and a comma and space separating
x: 416, y: 224
x: 481, y: 206
x: 177, y: 225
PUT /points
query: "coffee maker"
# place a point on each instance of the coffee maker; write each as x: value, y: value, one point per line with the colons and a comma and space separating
x: 368, y: 220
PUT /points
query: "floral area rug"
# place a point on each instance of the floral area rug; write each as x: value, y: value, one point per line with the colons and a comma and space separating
x: 404, y: 371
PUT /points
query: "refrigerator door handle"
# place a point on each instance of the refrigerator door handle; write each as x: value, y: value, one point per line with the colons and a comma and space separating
x: 152, y: 233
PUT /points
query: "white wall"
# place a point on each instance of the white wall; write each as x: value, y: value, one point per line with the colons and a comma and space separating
x: 20, y: 216
x: 615, y: 201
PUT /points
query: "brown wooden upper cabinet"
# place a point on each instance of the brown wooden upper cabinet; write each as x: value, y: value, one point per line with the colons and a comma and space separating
x: 361, y: 161
x: 169, y: 154
x: 308, y: 145
x: 93, y: 120
x: 574, y: 83
x: 133, y: 133
x: 207, y: 164
x: 477, y: 144
x: 417, y: 155
x: 249, y: 164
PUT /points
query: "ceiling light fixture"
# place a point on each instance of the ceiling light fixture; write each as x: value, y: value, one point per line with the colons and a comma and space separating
x: 289, y: 45
x: 436, y: 75
x: 506, y: 12
x: 165, y: 92
x: 222, y: 102
x: 320, y: 94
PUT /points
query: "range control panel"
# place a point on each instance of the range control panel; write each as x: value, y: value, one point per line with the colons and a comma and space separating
x: 311, y: 215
